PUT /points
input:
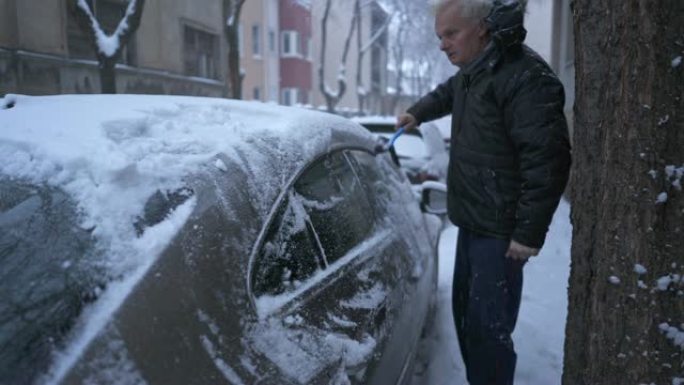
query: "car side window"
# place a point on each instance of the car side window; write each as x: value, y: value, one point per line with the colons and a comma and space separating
x: 373, y: 181
x: 324, y: 216
x: 336, y: 204
x: 289, y: 256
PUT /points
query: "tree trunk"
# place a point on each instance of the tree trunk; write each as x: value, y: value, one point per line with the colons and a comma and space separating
x: 124, y: 32
x: 626, y: 291
x: 107, y: 75
x: 234, y: 84
x: 231, y: 17
x: 360, y: 88
x: 332, y: 98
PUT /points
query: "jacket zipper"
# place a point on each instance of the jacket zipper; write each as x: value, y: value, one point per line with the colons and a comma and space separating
x: 466, y: 83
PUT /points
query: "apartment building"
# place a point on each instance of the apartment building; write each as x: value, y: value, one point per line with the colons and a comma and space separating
x: 180, y: 48
x: 296, y: 67
x: 259, y: 51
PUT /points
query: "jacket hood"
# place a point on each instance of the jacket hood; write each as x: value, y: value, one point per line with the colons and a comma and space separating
x: 505, y: 23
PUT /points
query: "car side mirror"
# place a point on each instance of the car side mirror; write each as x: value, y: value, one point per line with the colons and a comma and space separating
x: 434, y: 198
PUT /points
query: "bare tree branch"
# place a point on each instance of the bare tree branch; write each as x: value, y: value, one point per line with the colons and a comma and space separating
x: 332, y: 98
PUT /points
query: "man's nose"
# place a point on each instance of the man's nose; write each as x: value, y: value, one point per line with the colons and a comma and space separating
x: 442, y: 45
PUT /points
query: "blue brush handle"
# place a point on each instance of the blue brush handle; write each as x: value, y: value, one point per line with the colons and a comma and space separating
x: 395, y: 136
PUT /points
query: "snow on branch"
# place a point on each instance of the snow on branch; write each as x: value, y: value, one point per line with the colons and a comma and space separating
x: 110, y: 45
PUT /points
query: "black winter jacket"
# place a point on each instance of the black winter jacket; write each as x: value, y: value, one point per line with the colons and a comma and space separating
x: 510, y: 153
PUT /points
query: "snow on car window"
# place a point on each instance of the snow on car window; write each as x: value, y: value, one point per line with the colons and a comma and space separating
x: 289, y: 256
x: 268, y: 304
x: 369, y: 299
x: 339, y: 321
x: 341, y: 226
x: 403, y: 204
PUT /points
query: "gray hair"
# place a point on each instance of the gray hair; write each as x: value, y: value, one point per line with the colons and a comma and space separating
x: 468, y: 8
x: 478, y: 9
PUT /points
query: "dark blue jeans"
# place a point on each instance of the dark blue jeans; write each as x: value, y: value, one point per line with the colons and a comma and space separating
x: 486, y: 298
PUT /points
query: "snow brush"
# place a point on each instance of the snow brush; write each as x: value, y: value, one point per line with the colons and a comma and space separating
x: 384, y: 147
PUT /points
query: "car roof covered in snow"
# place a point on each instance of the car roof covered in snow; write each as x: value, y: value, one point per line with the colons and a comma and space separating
x: 112, y: 153
x: 103, y: 144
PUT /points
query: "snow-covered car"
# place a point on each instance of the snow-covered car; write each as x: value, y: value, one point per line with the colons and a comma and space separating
x: 182, y: 240
x: 421, y: 153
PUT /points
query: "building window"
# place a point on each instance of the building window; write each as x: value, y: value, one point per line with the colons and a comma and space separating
x: 257, y: 93
x: 309, y: 48
x: 108, y: 13
x: 291, y: 43
x: 290, y: 96
x: 256, y: 40
x: 200, y: 53
x: 271, y: 41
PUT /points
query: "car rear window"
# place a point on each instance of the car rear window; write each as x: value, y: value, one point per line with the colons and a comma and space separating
x: 48, y: 272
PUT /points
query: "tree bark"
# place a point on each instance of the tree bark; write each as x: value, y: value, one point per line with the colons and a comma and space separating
x: 108, y: 75
x: 361, y: 91
x: 628, y: 156
x: 231, y: 16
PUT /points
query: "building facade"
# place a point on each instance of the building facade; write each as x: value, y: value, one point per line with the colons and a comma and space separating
x: 563, y: 53
x: 296, y: 69
x: 259, y: 58
x: 180, y: 47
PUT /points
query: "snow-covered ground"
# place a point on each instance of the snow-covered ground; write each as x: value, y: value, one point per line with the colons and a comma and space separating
x: 539, y: 334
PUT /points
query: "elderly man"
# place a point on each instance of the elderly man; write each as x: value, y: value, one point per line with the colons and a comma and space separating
x: 508, y: 167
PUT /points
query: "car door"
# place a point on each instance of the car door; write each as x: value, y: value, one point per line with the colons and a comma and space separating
x: 329, y: 274
x: 397, y: 208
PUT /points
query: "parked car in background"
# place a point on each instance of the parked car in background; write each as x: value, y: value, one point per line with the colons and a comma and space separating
x: 182, y: 240
x: 422, y: 153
